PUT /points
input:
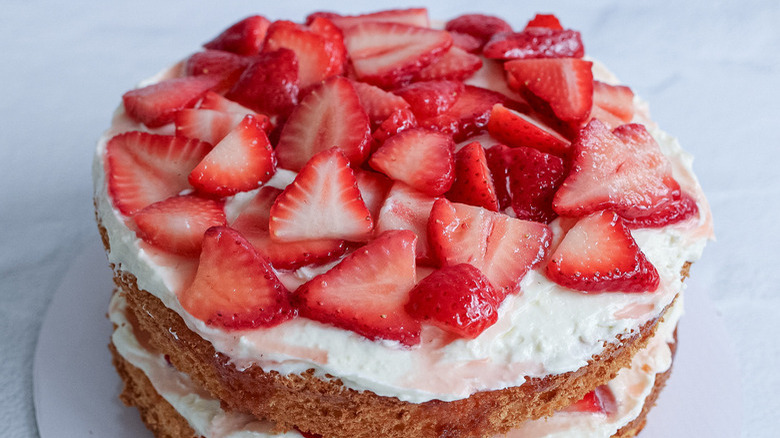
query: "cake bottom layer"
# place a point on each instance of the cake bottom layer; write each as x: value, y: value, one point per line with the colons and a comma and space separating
x: 184, y: 410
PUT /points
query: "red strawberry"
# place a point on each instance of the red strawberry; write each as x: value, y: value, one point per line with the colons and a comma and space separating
x: 548, y: 21
x: 270, y: 84
x: 177, y: 224
x: 600, y: 400
x: 479, y: 26
x: 143, y: 168
x: 667, y: 213
x: 206, y: 125
x: 253, y: 221
x: 157, y: 104
x: 323, y: 202
x: 378, y: 103
x: 617, y: 100
x: 391, y: 54
x: 622, y: 170
x: 517, y: 129
x: 599, y: 255
x: 431, y: 98
x: 331, y: 115
x: 536, y: 42
x: 244, y: 38
x: 235, y: 288
x: 400, y: 120
x: 317, y: 59
x: 458, y: 299
x: 469, y: 115
x: 407, y: 209
x: 456, y: 65
x: 473, y: 183
x: 373, y: 189
x: 465, y: 42
x: 565, y: 84
x: 418, y: 157
x: 503, y: 248
x: 526, y: 179
x: 411, y: 17
x: 367, y: 291
x: 217, y: 102
x: 241, y: 161
x: 225, y: 65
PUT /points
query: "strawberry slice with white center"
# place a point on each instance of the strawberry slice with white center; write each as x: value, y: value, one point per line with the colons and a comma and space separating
x: 391, y: 54
x: 241, y: 161
x: 177, y: 224
x: 373, y: 188
x: 473, y: 183
x: 617, y: 100
x: 458, y: 299
x: 143, y: 168
x: 517, y: 129
x: 253, y: 221
x: 622, y: 170
x: 456, y: 65
x: 465, y: 41
x: 503, y: 248
x: 206, y: 125
x: 412, y: 17
x: 217, y: 102
x: 565, y: 84
x: 234, y: 287
x: 225, y: 65
x: 431, y: 98
x: 536, y: 42
x: 323, y: 202
x: 418, y: 157
x: 367, y: 291
x: 270, y: 84
x: 407, y: 209
x: 599, y: 254
x: 480, y: 26
x: 243, y: 38
x: 378, y: 103
x: 331, y: 115
x: 469, y: 115
x: 156, y: 105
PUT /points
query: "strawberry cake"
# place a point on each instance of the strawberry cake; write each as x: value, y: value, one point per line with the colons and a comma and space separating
x: 362, y: 226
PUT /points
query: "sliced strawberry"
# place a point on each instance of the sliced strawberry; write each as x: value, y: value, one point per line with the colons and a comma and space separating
x: 599, y: 255
x: 216, y: 102
x: 411, y: 17
x: 527, y: 180
x: 143, y: 168
x: 517, y: 129
x: 431, y: 98
x: 331, y: 115
x: 235, y: 288
x: 473, y: 183
x: 270, y: 84
x: 457, y: 65
x: 367, y: 291
x: 373, y: 188
x: 391, y: 54
x: 548, y: 21
x: 244, y: 38
x: 177, y: 224
x: 241, y: 161
x: 378, y: 103
x: 469, y: 115
x: 335, y: 39
x: 622, y: 170
x: 667, y: 213
x: 407, y: 209
x: 400, y: 120
x: 536, y: 42
x: 418, y: 157
x: 465, y: 42
x: 206, y: 125
x: 503, y: 248
x: 256, y: 213
x: 479, y: 26
x: 317, y: 60
x: 323, y: 202
x: 225, y: 65
x: 565, y: 84
x: 157, y: 104
x: 458, y: 299
x: 617, y: 100
x: 600, y: 400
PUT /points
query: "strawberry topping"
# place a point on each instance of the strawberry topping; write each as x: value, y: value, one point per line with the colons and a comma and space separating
x: 457, y: 65
x: 378, y: 103
x: 206, y: 125
x: 156, y: 105
x: 431, y: 98
x: 536, y: 42
x: 243, y: 38
x: 407, y: 209
x: 480, y: 26
x: 473, y: 182
x: 270, y: 84
x: 517, y: 129
x: 400, y: 120
x: 548, y: 21
x: 411, y: 17
x: 469, y: 115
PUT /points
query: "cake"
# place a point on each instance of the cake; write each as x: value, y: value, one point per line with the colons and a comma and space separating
x: 371, y: 226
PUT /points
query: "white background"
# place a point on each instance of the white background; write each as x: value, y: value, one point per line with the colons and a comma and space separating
x: 710, y: 69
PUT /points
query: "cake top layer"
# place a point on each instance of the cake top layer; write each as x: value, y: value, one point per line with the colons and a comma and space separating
x: 371, y: 187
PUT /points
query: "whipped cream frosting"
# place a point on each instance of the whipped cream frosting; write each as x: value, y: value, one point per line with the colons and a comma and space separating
x: 547, y: 329
x: 630, y: 388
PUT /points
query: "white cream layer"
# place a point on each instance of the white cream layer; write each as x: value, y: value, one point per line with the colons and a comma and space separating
x: 546, y: 330
x: 630, y: 388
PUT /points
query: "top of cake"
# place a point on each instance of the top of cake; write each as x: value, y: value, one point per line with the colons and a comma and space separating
x: 424, y: 213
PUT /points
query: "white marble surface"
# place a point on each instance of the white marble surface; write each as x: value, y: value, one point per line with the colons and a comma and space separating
x: 710, y: 69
